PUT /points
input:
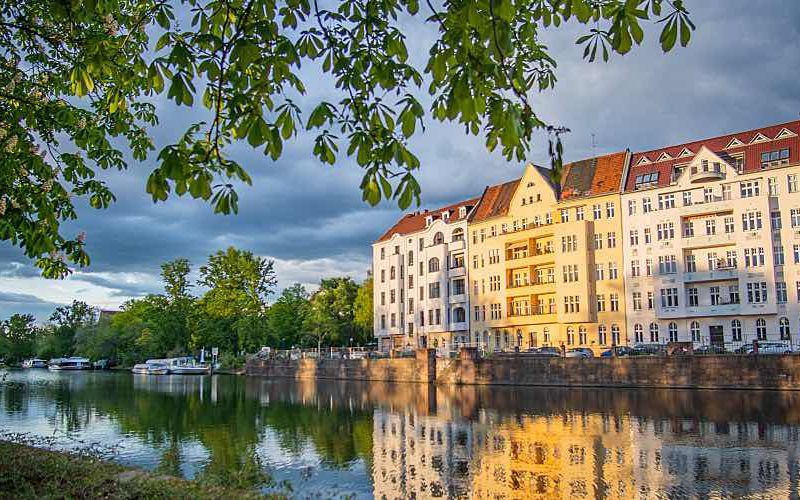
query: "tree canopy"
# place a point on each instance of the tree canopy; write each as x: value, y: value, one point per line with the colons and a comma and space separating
x: 78, y: 82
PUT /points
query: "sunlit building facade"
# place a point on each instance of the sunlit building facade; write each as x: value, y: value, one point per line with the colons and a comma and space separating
x: 712, y: 239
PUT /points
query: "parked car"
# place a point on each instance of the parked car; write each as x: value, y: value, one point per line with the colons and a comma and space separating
x: 709, y: 349
x: 621, y: 350
x: 580, y: 352
x: 552, y: 352
x: 649, y: 349
x: 770, y: 348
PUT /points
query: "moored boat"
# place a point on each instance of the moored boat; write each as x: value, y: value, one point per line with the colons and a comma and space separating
x: 157, y: 369
x: 141, y: 369
x: 34, y: 363
x: 72, y: 363
x: 186, y: 365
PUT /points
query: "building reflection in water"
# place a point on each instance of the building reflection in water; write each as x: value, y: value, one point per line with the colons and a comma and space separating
x: 579, y: 453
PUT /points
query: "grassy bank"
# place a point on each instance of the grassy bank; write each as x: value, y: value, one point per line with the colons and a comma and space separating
x: 28, y: 472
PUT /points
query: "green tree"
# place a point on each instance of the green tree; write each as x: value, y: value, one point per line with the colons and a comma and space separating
x: 18, y: 338
x: 179, y: 304
x: 78, y: 81
x: 287, y: 316
x: 65, y: 322
x: 331, y: 312
x: 363, y: 313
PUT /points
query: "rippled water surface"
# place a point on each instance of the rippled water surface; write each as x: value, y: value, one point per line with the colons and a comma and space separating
x: 399, y: 441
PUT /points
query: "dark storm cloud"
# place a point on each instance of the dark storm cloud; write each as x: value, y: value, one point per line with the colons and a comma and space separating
x: 13, y: 303
x: 739, y: 72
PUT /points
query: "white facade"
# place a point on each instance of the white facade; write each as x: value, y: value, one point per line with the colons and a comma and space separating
x: 714, y: 257
x: 420, y: 295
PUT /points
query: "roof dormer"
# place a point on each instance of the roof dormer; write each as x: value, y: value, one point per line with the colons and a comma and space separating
x: 446, y: 216
x: 462, y: 212
x: 428, y: 220
x: 784, y: 134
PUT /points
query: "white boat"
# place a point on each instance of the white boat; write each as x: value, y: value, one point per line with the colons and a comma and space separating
x: 34, y: 363
x: 157, y: 369
x: 72, y: 363
x: 141, y: 368
x: 186, y: 365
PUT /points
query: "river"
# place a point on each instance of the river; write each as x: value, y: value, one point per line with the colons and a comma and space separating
x: 334, y: 439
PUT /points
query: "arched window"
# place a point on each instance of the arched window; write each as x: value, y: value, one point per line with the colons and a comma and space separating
x: 457, y: 235
x: 582, y: 335
x: 761, y: 329
x: 615, y: 334
x: 695, y: 329
x: 391, y: 273
x: 601, y: 335
x: 570, y: 336
x: 638, y: 333
x: 783, y: 328
x: 673, y: 331
x: 653, y: 332
x: 459, y: 315
x: 438, y: 238
x: 433, y: 265
x: 410, y: 257
x: 736, y: 330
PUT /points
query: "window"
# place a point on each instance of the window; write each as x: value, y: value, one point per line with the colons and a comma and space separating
x: 751, y: 221
x: 711, y: 227
x: 780, y: 292
x: 638, y: 334
x: 749, y: 189
x: 646, y: 180
x: 647, y: 237
x: 667, y: 264
x: 688, y: 229
x: 383, y: 298
x: 653, y: 332
x: 614, y: 302
x: 433, y: 265
x: 383, y: 322
x: 564, y: 215
x: 791, y: 181
x: 648, y: 266
x: 775, y: 158
x: 579, y: 213
x: 601, y: 303
x: 392, y: 273
x: 669, y: 297
x: 598, y: 241
x: 726, y: 192
x: 631, y: 207
x: 634, y: 235
x: 796, y: 252
x: 610, y: 210
x: 795, y: 217
x: 772, y: 186
x: 687, y: 198
x: 692, y: 297
x: 731, y: 262
x: 736, y: 330
x: 569, y: 243
x: 393, y: 322
x: 733, y: 294
x: 494, y: 256
x: 599, y: 273
x: 635, y: 268
x: 672, y: 328
x: 783, y: 328
x: 757, y: 292
x: 715, y: 297
x: 615, y: 334
x: 438, y: 238
x: 570, y: 273
x: 383, y: 274
x: 712, y: 261
x: 666, y: 201
x: 612, y: 239
x: 694, y: 328
x: 433, y: 290
x: 612, y: 271
x: 650, y: 301
x: 761, y: 329
x: 637, y: 301
x: 572, y: 304
x: 754, y: 257
x: 392, y: 295
x: 582, y: 335
x: 459, y: 288
x: 708, y: 195
x: 410, y: 306
x: 777, y: 251
x: 691, y: 264
x: 601, y: 335
x: 457, y: 235
x: 666, y: 231
x: 728, y: 225
x: 570, y: 336
x: 646, y: 205
x: 775, y: 221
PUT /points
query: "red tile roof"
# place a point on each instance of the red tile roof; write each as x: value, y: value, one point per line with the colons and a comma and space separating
x: 719, y: 145
x: 594, y: 176
x: 413, y: 222
x: 494, y: 201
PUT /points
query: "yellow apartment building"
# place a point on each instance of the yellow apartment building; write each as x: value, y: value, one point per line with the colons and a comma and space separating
x: 546, y: 259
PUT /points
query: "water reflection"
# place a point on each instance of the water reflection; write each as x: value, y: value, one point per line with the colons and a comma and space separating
x: 406, y: 441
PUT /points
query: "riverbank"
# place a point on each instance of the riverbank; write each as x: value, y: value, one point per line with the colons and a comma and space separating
x: 773, y: 372
x: 28, y: 472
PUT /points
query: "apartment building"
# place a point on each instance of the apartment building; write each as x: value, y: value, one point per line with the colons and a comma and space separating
x: 419, y: 285
x: 712, y: 239
x: 545, y: 259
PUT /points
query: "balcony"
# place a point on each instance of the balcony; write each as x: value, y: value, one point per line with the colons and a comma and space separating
x: 709, y: 241
x: 456, y: 245
x: 458, y: 326
x: 534, y: 259
x: 457, y: 298
x: 533, y: 287
x: 713, y: 172
x: 534, y: 317
x: 722, y: 309
x: 455, y: 272
x: 720, y: 274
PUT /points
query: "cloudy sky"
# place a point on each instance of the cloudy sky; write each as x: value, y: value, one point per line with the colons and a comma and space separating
x: 739, y: 72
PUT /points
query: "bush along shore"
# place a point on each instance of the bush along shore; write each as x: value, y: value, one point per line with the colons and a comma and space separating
x: 29, y: 472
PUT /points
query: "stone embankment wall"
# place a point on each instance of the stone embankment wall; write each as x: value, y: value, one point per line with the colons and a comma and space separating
x: 701, y: 372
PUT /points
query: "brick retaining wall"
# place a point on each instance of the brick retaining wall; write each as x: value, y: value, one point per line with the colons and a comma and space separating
x: 702, y: 372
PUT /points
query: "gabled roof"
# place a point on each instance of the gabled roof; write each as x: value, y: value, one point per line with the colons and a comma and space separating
x: 593, y: 177
x: 415, y: 221
x: 726, y: 146
x: 494, y: 201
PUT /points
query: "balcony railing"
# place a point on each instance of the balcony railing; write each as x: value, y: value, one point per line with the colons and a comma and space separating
x: 532, y: 283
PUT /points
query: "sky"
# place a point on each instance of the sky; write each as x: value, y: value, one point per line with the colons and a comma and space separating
x: 739, y: 72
